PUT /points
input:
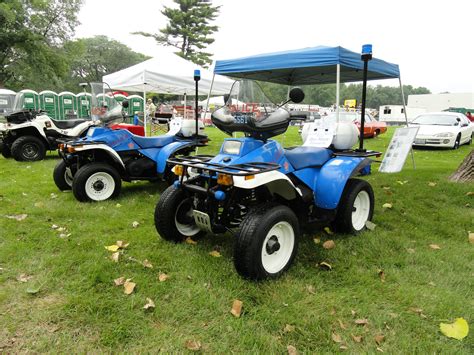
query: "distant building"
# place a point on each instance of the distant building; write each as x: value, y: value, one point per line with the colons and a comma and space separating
x: 395, y: 113
x: 442, y: 102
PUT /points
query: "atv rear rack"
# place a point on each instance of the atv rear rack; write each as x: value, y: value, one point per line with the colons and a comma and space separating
x: 201, y: 162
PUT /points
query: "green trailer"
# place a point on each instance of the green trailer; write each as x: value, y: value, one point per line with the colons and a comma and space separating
x: 49, y: 102
x: 84, y: 102
x: 67, y: 105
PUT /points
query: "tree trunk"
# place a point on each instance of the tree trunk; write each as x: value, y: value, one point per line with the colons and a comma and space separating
x: 465, y: 172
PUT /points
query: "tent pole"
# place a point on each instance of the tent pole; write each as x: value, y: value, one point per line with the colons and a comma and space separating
x: 185, y: 111
x: 406, y: 118
x: 209, y: 96
x: 338, y: 82
x: 144, y: 108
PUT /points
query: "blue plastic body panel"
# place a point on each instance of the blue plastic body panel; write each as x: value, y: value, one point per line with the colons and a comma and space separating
x: 161, y: 155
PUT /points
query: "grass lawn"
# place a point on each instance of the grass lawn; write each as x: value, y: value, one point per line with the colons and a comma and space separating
x: 69, y: 302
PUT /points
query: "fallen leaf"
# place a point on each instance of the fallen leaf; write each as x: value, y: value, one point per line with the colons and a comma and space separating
x: 363, y: 321
x: 325, y: 266
x: 471, y: 237
x: 386, y: 187
x: 61, y: 229
x: 343, y: 347
x: 54, y: 226
x: 435, y: 246
x: 162, y: 277
x: 342, y: 325
x: 24, y: 278
x: 193, y: 345
x: 18, y: 217
x: 215, y: 254
x: 316, y: 240
x: 118, y: 205
x: 400, y: 182
x: 291, y: 350
x: 33, y: 290
x: 64, y: 235
x: 379, y: 339
x: 410, y: 250
x: 236, y: 308
x: 336, y: 338
x: 353, y: 312
x: 288, y: 328
x: 135, y: 224
x: 431, y: 283
x: 311, y: 289
x: 457, y: 330
x: 357, y: 338
x: 432, y: 184
x: 115, y: 256
x: 39, y: 204
x: 329, y: 244
x: 24, y: 194
x: 122, y: 244
x: 379, y: 349
x: 120, y: 281
x: 53, y: 195
x: 381, y: 275
x: 190, y: 241
x: 370, y: 225
x: 470, y: 193
x: 129, y: 287
x: 387, y: 205
x: 149, y: 304
x: 112, y: 248
x: 415, y: 310
x: 147, y: 264
x: 328, y: 230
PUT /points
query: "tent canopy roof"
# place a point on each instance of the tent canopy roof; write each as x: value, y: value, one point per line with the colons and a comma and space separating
x: 315, y: 65
x: 167, y: 73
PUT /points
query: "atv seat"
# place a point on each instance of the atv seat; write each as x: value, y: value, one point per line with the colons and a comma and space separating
x: 153, y: 142
x: 66, y: 124
x: 305, y: 157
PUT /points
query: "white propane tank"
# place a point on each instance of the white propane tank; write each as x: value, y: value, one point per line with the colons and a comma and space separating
x: 345, y: 136
x: 188, y: 127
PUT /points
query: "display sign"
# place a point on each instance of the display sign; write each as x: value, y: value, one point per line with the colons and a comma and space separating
x: 350, y: 103
x: 398, y: 150
x: 49, y: 100
x: 28, y: 100
x: 3, y: 102
x: 320, y: 133
x: 68, y: 101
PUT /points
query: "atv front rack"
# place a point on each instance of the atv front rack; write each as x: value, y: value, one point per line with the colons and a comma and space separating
x: 201, y: 162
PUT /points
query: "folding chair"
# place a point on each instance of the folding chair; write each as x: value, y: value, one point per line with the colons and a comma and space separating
x: 160, y: 123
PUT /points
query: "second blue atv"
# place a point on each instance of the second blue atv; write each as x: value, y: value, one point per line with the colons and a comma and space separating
x: 94, y: 166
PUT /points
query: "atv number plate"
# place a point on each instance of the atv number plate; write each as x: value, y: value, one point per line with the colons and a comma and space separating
x: 202, y: 220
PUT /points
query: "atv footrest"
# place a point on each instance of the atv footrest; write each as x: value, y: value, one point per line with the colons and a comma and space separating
x: 202, y: 220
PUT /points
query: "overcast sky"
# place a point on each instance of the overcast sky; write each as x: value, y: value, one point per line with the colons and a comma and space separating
x: 431, y: 41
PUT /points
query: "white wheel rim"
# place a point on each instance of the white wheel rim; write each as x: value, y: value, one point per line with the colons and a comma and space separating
x: 68, y: 176
x: 276, y: 256
x: 100, y: 186
x: 187, y: 230
x: 360, y: 210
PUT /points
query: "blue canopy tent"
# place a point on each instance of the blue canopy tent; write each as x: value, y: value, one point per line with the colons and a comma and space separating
x: 315, y: 65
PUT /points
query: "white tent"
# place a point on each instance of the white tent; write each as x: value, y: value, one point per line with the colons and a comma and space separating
x: 167, y: 73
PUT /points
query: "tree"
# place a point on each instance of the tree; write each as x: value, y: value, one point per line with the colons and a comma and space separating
x: 31, y: 36
x: 92, y: 58
x: 465, y: 172
x: 189, y: 29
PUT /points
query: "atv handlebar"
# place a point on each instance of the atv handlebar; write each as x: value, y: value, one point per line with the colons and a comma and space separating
x: 299, y: 115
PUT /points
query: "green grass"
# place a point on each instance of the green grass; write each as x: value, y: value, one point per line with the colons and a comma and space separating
x: 78, y: 308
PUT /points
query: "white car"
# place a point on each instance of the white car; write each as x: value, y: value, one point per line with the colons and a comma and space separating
x: 443, y: 129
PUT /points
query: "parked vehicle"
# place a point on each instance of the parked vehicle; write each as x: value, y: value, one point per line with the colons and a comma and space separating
x: 95, y: 165
x: 263, y: 192
x: 443, y: 129
x: 28, y: 134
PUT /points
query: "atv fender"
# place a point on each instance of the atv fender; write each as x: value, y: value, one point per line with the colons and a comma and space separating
x: 104, y: 148
x: 332, y: 178
x: 165, y: 152
x: 274, y: 181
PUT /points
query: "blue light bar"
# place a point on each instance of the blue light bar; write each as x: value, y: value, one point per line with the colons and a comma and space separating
x: 197, y: 73
x: 367, y: 49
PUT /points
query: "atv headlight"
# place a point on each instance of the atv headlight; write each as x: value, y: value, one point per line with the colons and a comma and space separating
x: 445, y: 134
x: 224, y: 179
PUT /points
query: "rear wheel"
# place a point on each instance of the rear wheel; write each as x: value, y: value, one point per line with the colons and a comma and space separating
x: 28, y: 148
x: 96, y: 182
x: 174, y: 219
x: 266, y: 242
x: 376, y: 133
x: 356, y: 207
x: 63, y: 176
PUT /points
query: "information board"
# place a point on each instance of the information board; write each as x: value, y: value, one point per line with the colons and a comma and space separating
x: 320, y: 133
x: 398, y: 150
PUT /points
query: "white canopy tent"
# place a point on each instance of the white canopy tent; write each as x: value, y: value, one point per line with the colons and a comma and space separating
x: 167, y: 73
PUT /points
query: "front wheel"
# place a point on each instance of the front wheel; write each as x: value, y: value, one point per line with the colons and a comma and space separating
x: 356, y: 207
x: 6, y: 151
x: 457, y: 142
x: 174, y: 220
x: 266, y: 242
x: 96, y: 182
x: 63, y: 176
x: 28, y: 148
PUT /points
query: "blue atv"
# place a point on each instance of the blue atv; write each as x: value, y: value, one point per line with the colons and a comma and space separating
x: 94, y: 166
x: 258, y: 190
x: 263, y: 192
